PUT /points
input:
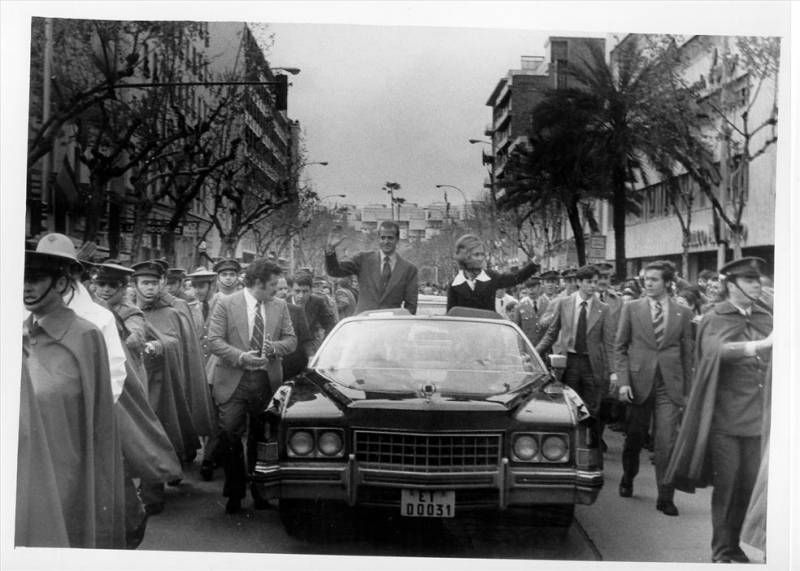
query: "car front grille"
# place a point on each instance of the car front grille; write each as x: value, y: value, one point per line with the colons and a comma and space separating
x: 419, y: 452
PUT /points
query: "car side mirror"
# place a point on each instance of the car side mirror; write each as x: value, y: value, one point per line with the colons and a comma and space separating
x: 558, y: 362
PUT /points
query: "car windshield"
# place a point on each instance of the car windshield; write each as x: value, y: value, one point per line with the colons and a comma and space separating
x: 458, y: 357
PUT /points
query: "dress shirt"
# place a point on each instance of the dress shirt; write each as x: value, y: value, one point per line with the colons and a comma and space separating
x: 576, y: 317
x: 84, y: 306
x: 461, y: 278
x: 392, y: 259
x: 664, y: 299
x: 251, y: 313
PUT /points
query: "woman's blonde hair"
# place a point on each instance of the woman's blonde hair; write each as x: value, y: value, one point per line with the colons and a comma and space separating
x: 464, y: 246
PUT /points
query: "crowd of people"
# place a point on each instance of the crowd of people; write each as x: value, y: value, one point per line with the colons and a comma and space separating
x: 132, y: 374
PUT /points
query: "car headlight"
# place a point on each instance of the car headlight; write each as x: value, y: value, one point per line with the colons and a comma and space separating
x: 554, y: 447
x: 301, y: 442
x: 330, y: 443
x: 525, y: 447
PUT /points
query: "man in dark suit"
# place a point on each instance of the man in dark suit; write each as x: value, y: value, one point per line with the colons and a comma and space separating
x: 320, y: 319
x: 385, y: 280
x: 654, y: 353
x: 584, y: 331
x: 249, y: 332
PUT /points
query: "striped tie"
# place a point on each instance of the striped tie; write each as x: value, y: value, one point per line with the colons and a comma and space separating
x: 658, y: 323
x: 257, y: 338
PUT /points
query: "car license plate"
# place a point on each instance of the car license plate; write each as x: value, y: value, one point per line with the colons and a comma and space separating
x: 428, y: 503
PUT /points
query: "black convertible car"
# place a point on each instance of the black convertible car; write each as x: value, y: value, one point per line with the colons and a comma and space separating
x: 429, y: 417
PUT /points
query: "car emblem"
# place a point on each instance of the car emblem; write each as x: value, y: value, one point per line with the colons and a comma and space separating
x: 427, y: 391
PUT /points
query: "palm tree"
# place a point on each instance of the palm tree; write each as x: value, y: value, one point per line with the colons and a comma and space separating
x: 620, y: 129
x: 559, y: 163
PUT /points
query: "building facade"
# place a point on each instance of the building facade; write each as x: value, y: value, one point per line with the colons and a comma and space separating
x: 183, y: 52
x: 657, y: 233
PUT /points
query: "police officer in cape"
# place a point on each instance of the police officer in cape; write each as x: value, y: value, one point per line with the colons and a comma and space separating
x: 720, y: 439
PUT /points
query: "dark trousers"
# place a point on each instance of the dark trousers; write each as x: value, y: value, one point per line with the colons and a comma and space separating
x: 248, y: 400
x: 579, y: 377
x: 666, y: 421
x: 735, y: 461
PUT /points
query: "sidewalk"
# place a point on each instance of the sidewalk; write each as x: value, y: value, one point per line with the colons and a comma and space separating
x: 631, y: 529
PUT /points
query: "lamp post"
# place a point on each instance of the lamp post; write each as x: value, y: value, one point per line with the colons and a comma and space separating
x: 464, y: 196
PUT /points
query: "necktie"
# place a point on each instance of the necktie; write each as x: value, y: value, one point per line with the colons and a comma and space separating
x: 535, y: 306
x: 386, y: 274
x: 603, y: 296
x: 205, y: 310
x: 257, y: 339
x: 658, y: 323
x: 580, y: 333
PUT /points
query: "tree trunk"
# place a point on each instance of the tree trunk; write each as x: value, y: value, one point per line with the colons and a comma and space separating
x: 228, y: 245
x: 619, y: 204
x: 168, y: 244
x: 573, y: 215
x: 140, y: 213
x: 95, y: 207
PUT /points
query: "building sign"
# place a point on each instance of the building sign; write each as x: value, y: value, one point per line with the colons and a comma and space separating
x: 596, y: 249
x: 701, y: 239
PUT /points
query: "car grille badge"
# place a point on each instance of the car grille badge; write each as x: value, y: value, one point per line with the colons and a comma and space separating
x: 427, y: 391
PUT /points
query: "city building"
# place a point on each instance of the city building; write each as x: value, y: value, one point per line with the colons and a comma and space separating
x: 417, y: 223
x: 513, y: 100
x: 657, y: 232
x: 183, y: 52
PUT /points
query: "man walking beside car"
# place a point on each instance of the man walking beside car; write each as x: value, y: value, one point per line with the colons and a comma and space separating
x: 582, y: 326
x: 249, y: 332
x: 654, y: 353
x: 385, y: 280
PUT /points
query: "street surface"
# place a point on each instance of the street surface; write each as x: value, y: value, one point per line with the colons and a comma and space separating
x: 613, y: 529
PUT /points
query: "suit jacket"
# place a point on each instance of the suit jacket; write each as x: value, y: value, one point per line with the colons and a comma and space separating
x: 599, y: 334
x: 401, y: 290
x: 638, y: 355
x: 229, y: 337
x: 526, y: 316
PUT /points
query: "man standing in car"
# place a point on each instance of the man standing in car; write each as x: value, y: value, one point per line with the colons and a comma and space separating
x: 385, y: 280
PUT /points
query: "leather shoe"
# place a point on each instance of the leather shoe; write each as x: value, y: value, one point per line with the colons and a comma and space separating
x: 233, y: 505
x: 154, y: 508
x: 207, y: 471
x: 261, y: 504
x: 667, y: 507
x: 738, y: 556
x: 625, y: 489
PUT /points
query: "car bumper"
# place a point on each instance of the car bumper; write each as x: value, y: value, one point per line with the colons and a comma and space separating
x: 355, y: 484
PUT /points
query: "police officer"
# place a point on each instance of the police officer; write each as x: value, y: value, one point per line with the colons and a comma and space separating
x: 734, y: 345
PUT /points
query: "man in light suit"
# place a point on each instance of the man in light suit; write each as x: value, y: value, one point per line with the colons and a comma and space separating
x: 654, y: 353
x: 385, y: 280
x: 249, y: 332
x: 585, y: 334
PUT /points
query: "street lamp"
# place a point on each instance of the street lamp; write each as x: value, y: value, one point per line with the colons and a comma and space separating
x: 464, y: 196
x: 290, y: 70
x: 321, y: 198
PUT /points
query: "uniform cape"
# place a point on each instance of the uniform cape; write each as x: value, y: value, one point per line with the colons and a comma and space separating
x: 35, y: 524
x: 145, y: 445
x: 166, y: 394
x: 754, y: 527
x: 690, y: 465
x: 196, y: 384
x: 100, y: 522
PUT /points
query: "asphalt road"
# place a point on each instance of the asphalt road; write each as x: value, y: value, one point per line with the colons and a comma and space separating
x: 613, y: 529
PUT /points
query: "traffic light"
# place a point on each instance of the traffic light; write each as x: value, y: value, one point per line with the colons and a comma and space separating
x: 281, y: 91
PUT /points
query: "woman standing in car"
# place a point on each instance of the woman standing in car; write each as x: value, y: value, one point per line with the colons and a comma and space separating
x: 474, y: 286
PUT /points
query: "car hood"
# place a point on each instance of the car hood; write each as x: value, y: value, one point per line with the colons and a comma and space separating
x: 313, y: 396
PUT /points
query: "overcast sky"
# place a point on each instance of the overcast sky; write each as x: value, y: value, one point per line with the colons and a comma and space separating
x: 383, y: 103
